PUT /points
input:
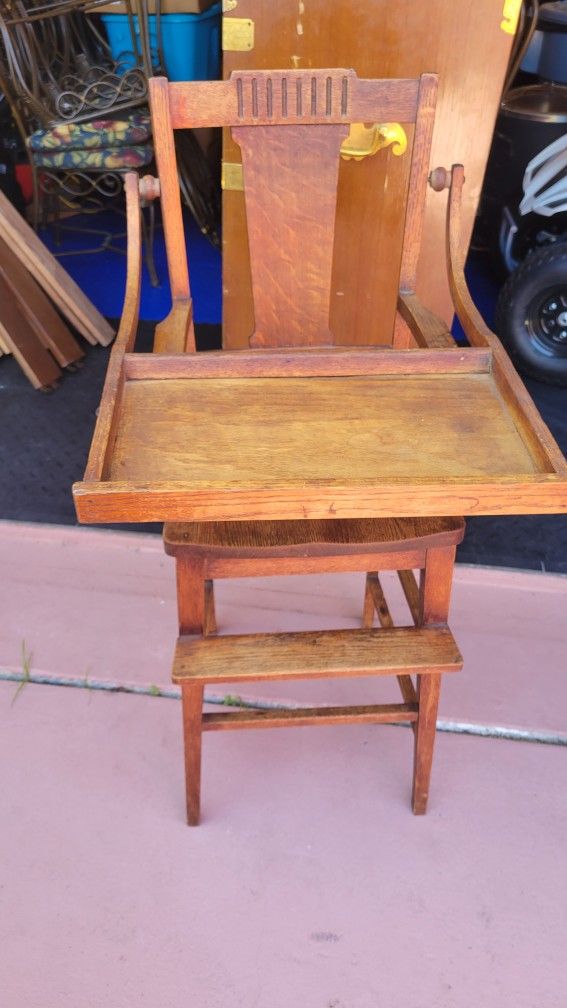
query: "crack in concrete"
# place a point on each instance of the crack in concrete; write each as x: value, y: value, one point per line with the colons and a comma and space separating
x: 541, y: 736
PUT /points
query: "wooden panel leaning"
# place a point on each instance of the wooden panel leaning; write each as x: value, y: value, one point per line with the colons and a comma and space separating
x: 20, y: 338
x: 50, y: 328
x: 51, y: 276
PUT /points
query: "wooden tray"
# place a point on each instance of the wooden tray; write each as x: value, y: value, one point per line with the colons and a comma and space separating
x: 317, y: 434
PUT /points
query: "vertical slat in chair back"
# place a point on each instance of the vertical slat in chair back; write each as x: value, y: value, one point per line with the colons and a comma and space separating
x: 290, y: 126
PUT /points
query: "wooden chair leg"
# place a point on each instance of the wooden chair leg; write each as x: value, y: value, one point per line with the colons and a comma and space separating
x: 368, y: 604
x: 435, y: 596
x: 210, y: 626
x: 192, y: 701
x: 190, y: 595
x: 428, y: 688
x: 191, y: 611
x: 375, y: 602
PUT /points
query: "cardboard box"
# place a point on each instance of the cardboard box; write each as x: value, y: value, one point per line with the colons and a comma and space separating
x: 166, y: 7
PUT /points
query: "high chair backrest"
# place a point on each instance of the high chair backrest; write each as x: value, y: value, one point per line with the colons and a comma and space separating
x: 290, y: 125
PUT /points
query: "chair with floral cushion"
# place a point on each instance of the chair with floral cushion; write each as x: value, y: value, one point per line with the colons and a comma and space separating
x: 82, y: 119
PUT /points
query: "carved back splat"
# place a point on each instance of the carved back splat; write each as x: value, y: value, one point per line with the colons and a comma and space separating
x: 290, y: 187
x: 290, y: 126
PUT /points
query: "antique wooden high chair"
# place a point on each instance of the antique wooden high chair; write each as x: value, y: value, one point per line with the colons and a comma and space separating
x: 293, y: 456
x: 290, y: 173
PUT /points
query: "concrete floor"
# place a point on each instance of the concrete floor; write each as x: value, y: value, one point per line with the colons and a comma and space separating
x: 309, y: 882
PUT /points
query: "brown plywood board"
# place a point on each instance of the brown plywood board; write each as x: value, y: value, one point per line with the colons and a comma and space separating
x: 49, y: 273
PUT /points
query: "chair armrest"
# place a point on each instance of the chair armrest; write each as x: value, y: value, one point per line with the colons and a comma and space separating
x: 525, y: 412
x: 427, y: 329
x: 476, y: 329
x: 131, y: 308
x: 175, y: 334
x: 126, y: 336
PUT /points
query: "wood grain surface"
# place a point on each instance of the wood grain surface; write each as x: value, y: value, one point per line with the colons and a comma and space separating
x: 291, y: 193
x: 282, y: 97
x: 40, y: 313
x: 267, y: 431
x: 290, y: 181
x: 101, y: 445
x: 245, y: 657
x: 308, y: 716
x: 23, y: 342
x: 187, y: 501
x: 290, y: 434
x: 311, y: 537
x: 519, y: 402
x: 176, y: 333
x: 49, y: 273
x: 276, y: 363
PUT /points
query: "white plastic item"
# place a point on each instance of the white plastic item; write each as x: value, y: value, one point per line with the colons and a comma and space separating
x: 545, y: 181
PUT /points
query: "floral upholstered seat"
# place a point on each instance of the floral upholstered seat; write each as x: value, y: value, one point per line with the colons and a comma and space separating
x: 97, y: 157
x: 100, y: 143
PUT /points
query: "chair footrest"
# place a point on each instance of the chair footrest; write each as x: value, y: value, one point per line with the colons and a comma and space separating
x: 302, y: 716
x: 330, y: 653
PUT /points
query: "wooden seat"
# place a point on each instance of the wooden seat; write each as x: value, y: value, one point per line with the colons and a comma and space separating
x: 331, y: 537
x: 290, y: 457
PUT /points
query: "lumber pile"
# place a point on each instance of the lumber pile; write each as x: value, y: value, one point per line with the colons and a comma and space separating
x: 36, y: 295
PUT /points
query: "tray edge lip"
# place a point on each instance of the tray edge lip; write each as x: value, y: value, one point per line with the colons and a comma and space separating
x: 540, y: 493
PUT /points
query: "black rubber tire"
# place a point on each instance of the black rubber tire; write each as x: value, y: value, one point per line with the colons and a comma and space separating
x: 541, y: 273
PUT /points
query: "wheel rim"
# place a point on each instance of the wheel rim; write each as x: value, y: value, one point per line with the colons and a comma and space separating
x: 546, y: 321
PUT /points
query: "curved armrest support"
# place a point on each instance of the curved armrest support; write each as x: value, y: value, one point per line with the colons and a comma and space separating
x: 524, y: 411
x: 175, y: 334
x: 131, y: 307
x: 427, y: 329
x: 476, y: 329
x: 126, y: 336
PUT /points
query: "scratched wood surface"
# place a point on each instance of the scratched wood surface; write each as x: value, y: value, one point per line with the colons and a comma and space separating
x: 262, y: 431
x: 309, y: 654
x: 301, y: 538
x: 279, y: 363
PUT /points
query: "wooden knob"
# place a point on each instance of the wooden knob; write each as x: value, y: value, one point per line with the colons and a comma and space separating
x: 439, y: 179
x: 149, y: 187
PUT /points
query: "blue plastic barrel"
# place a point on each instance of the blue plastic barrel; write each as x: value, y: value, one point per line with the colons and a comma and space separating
x: 190, y: 42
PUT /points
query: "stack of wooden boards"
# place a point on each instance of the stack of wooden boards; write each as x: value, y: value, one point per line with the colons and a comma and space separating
x: 34, y: 289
